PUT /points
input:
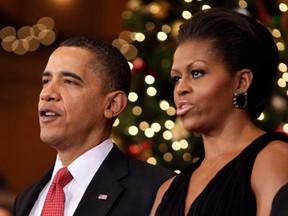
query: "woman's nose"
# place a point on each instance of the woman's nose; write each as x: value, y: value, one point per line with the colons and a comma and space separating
x: 182, y: 88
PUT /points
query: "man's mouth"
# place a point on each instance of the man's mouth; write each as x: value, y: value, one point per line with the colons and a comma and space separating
x: 48, y: 113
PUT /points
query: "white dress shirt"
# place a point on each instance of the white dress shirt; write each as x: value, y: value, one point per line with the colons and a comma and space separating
x: 82, y: 169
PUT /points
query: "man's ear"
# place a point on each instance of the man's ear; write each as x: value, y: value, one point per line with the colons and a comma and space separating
x: 116, y: 101
x: 244, y: 78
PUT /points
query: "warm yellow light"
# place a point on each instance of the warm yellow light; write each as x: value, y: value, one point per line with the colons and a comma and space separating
x: 261, y: 117
x: 176, y: 146
x: 285, y: 76
x: 242, y: 4
x: 204, y: 7
x: 116, y: 122
x: 276, y: 33
x: 133, y: 130
x: 168, y: 157
x: 7, y: 43
x: 281, y: 83
x: 152, y: 160
x: 184, y: 144
x: 187, y: 157
x: 169, y: 124
x: 24, y: 32
x: 171, y: 111
x: 130, y: 65
x: 118, y: 43
x: 33, y: 42
x: 7, y: 31
x: 166, y: 28
x: 167, y: 135
x: 164, y: 105
x: 140, y: 37
x: 186, y: 15
x: 37, y: 28
x: 143, y: 125
x: 162, y: 36
x: 283, y: 7
x: 151, y: 91
x: 149, y: 132
x: 47, y: 21
x: 280, y: 46
x: 282, y: 67
x: 149, y: 79
x: 156, y: 127
x: 47, y: 37
x: 155, y: 8
x: 20, y: 47
x: 127, y: 15
x: 134, y: 5
x: 137, y: 110
x: 285, y: 128
x: 133, y: 96
x: 129, y: 51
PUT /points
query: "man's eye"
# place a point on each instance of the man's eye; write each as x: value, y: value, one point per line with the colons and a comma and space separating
x: 45, y: 81
x: 69, y: 82
x: 175, y: 79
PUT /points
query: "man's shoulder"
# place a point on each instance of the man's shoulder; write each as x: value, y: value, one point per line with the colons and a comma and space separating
x: 148, y: 170
x: 138, y: 164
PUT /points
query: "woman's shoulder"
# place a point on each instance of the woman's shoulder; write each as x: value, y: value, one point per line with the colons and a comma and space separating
x: 161, y: 191
x: 270, y: 171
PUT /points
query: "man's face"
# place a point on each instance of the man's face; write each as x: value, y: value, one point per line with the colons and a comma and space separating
x: 71, y: 103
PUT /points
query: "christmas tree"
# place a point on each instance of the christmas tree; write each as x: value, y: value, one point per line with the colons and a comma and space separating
x: 149, y: 129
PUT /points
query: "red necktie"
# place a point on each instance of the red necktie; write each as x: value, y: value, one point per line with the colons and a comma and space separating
x: 55, y: 199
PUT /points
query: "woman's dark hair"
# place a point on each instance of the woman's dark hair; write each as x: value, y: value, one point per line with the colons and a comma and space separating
x: 243, y: 43
x: 108, y: 61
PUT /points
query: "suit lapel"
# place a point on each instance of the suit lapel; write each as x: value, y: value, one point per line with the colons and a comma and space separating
x: 105, y: 188
x: 32, y: 194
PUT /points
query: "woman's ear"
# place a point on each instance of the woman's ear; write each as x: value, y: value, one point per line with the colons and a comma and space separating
x: 245, y: 78
x: 116, y: 102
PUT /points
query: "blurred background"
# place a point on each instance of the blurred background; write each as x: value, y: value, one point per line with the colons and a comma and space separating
x: 144, y: 31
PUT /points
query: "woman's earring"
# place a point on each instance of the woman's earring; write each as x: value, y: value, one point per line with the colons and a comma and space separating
x: 240, y: 100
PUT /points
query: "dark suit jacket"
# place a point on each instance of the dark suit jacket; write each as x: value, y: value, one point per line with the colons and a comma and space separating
x: 131, y: 186
x: 280, y: 202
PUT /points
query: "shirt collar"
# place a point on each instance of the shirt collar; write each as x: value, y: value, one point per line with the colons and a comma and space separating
x: 86, y: 165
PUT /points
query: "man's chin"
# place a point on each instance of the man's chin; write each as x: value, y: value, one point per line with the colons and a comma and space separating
x: 49, y: 139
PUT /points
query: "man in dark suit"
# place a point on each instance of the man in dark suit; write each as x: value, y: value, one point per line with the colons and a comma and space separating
x: 85, y: 88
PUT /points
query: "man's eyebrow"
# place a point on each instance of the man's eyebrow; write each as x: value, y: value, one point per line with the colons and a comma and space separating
x: 65, y: 74
x: 73, y: 75
x: 46, y: 73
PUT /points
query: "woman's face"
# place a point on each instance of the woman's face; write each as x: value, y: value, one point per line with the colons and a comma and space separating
x: 203, y: 92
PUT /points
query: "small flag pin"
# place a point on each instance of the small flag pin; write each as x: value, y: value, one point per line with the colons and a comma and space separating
x: 103, y: 197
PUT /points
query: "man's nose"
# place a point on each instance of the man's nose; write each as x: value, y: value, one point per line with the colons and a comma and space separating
x: 50, y: 93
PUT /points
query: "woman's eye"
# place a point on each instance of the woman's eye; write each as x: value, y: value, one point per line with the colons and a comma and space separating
x: 175, y: 79
x: 197, y: 73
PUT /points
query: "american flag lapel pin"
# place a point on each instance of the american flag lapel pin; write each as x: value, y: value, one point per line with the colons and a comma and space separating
x: 103, y: 197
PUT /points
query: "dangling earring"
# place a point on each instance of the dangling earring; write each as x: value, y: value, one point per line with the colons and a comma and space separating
x: 240, y: 100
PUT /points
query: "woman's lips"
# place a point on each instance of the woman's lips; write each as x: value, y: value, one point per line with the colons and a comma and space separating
x: 183, y: 107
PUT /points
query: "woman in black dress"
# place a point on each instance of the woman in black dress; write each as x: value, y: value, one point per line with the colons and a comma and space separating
x: 224, y: 70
